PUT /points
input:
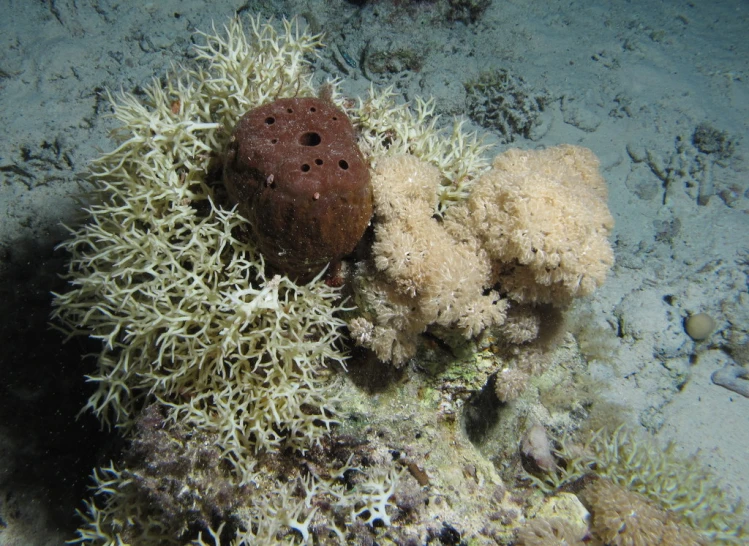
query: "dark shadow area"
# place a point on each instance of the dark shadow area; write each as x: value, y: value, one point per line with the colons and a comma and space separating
x: 481, y: 412
x: 48, y: 452
x: 369, y: 374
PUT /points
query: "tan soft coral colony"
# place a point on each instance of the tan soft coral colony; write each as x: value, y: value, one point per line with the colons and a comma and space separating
x: 534, y: 228
x: 542, y: 217
x: 422, y: 275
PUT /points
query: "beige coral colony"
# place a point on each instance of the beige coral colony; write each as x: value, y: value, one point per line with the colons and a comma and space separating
x: 326, y: 320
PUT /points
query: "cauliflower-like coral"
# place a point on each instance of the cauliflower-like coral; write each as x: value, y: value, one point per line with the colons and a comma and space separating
x: 542, y: 218
x: 534, y: 227
x: 522, y: 324
x: 422, y: 275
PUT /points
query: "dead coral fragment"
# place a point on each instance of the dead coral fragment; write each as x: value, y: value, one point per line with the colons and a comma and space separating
x: 501, y: 101
x: 272, y: 512
x: 179, y: 473
x: 735, y: 378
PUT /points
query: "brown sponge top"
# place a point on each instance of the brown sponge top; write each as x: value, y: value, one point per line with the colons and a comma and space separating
x: 294, y: 169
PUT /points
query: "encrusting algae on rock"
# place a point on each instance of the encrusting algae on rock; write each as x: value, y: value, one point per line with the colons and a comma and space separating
x: 227, y: 377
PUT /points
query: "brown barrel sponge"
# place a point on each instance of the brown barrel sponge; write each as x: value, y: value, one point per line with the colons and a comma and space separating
x: 296, y: 173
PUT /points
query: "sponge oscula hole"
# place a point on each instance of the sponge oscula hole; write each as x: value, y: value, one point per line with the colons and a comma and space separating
x: 343, y: 164
x: 305, y: 168
x: 270, y: 120
x: 318, y: 161
x: 310, y: 139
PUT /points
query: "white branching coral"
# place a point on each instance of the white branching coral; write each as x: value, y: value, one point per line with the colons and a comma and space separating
x: 242, y: 70
x: 169, y: 281
x: 389, y: 128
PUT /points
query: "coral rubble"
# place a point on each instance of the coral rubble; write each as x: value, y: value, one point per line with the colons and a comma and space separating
x: 499, y: 100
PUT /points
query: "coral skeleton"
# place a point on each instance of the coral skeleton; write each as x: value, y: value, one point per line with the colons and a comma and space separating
x: 118, y: 515
x: 499, y: 100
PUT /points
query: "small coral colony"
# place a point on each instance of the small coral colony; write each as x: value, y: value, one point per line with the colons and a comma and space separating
x: 277, y: 272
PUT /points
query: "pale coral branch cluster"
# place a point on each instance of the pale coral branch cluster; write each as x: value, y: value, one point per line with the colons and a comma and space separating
x: 160, y: 274
x: 392, y: 128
